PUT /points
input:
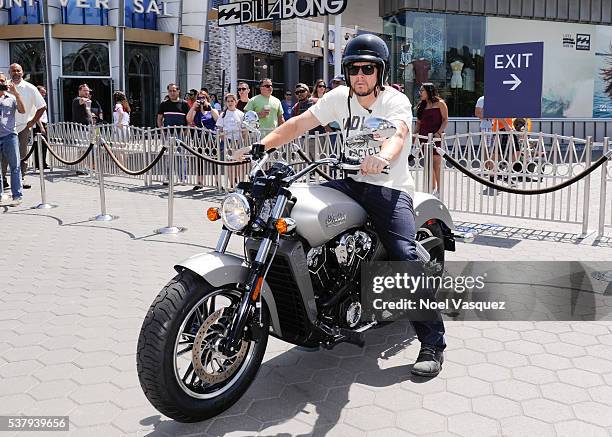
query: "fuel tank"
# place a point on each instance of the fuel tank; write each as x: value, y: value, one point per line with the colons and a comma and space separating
x: 321, y: 213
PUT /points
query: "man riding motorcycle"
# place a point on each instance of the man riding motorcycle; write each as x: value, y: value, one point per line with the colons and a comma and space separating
x: 387, y: 198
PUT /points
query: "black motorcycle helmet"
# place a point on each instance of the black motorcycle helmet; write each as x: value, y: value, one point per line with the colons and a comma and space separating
x: 367, y: 48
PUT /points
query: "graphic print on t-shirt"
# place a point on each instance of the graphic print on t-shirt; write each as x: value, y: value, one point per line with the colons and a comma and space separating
x: 390, y: 104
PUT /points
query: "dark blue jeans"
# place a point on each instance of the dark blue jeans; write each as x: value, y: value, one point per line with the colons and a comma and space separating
x: 392, y: 216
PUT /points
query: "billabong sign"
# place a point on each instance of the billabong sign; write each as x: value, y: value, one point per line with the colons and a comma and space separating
x: 153, y: 7
x: 254, y: 11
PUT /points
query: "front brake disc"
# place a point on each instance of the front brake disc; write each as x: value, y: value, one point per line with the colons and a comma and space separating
x: 211, y: 365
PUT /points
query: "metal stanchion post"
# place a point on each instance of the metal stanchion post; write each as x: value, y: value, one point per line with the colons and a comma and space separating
x: 41, y: 165
x: 429, y: 164
x: 103, y: 216
x: 602, y: 190
x: 587, y: 190
x: 170, y: 229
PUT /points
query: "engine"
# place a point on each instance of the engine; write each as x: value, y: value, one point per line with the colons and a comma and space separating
x: 335, y: 272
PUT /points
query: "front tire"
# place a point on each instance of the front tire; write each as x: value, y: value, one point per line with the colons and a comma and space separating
x: 192, y: 386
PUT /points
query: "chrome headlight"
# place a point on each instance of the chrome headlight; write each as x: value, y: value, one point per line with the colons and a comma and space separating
x: 235, y: 212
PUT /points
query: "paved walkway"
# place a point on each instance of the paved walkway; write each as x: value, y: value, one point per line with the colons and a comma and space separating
x: 74, y: 293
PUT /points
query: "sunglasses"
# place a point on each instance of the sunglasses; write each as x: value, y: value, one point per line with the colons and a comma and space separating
x: 367, y: 70
x: 243, y: 89
x: 265, y: 86
x: 321, y: 86
x: 300, y: 91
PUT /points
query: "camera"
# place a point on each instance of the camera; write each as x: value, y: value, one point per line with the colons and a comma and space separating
x: 3, y: 87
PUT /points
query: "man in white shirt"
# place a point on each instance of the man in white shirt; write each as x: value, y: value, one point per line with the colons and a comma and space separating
x: 486, y: 124
x: 35, y: 106
x: 387, y: 198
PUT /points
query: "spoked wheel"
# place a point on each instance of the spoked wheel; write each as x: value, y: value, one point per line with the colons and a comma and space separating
x: 181, y: 368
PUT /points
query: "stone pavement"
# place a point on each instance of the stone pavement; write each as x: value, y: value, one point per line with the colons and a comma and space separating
x: 74, y: 293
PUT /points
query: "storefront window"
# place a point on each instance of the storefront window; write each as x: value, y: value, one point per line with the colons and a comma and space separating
x: 85, y: 59
x: 139, y: 20
x: 28, y: 12
x: 252, y: 67
x: 447, y: 50
x: 142, y: 83
x: 31, y: 56
x: 72, y: 14
x: 182, y: 71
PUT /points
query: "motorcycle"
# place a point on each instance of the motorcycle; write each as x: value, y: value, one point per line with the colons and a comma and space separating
x: 204, y: 336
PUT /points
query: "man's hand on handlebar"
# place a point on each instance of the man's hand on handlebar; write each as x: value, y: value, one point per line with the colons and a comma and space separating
x: 373, y: 164
x: 239, y: 154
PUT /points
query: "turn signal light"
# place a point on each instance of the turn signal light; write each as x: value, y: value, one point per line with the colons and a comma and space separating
x: 284, y: 225
x: 213, y: 214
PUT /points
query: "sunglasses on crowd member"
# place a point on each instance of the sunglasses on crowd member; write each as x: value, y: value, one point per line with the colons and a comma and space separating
x: 243, y: 89
x: 300, y: 91
x: 321, y: 86
x: 367, y: 69
x: 265, y: 86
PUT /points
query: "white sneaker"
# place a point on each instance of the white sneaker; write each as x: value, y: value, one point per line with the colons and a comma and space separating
x: 17, y: 202
x: 436, y: 193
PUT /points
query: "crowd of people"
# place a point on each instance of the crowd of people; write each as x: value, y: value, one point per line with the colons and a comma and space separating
x: 22, y: 108
x: 203, y: 110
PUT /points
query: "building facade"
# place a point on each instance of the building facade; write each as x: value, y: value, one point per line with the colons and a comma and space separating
x: 64, y: 43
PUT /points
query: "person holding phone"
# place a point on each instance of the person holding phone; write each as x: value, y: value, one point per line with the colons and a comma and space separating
x: 202, y: 115
x: 11, y: 103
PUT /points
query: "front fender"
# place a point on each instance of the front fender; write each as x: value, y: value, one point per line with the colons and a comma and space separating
x: 219, y: 269
x: 427, y: 206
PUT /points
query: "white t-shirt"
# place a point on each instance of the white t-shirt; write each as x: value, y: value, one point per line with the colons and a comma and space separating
x: 485, y: 123
x: 32, y: 100
x: 390, y: 104
x: 231, y: 123
x: 125, y: 120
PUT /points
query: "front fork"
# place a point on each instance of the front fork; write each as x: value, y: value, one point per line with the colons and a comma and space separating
x: 255, y: 278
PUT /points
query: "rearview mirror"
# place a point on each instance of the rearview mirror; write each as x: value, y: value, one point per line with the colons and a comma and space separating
x: 251, y: 121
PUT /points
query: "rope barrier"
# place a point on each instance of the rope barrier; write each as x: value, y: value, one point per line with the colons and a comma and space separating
x: 128, y: 171
x: 208, y: 159
x: 29, y: 154
x: 59, y: 158
x: 505, y: 189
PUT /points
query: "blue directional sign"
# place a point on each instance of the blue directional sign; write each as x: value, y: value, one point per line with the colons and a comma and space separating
x: 513, y: 80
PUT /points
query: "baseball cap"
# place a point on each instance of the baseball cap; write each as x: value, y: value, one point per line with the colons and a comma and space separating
x: 339, y: 78
x: 302, y: 86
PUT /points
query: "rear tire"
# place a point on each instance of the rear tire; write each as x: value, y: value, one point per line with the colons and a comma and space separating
x: 170, y: 319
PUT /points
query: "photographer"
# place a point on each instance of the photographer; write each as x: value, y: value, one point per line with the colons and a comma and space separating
x: 202, y: 114
x: 11, y: 103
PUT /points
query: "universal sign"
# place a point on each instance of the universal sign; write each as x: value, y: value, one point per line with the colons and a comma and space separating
x: 260, y: 10
x: 154, y: 6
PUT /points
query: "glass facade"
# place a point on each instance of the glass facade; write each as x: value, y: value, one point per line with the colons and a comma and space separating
x: 142, y: 83
x: 29, y: 12
x: 85, y: 59
x: 447, y: 50
x: 252, y: 67
x: 139, y: 20
x: 72, y: 14
x: 31, y: 56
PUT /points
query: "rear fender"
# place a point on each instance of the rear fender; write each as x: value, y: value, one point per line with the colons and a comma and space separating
x: 219, y: 269
x: 427, y: 207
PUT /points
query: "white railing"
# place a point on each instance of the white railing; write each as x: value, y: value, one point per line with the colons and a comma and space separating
x: 525, y: 161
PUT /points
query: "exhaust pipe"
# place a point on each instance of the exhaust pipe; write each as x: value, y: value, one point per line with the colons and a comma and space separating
x: 466, y: 237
